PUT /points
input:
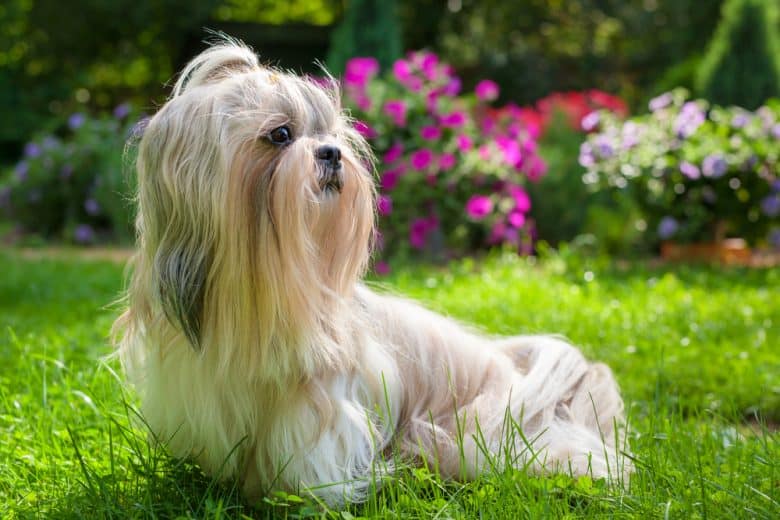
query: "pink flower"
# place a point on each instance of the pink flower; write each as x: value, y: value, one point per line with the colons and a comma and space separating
x: 429, y: 65
x: 421, y: 159
x: 396, y: 109
x: 453, y: 120
x: 453, y: 87
x: 510, y: 149
x: 359, y: 71
x: 478, y: 207
x: 393, y: 153
x: 403, y: 72
x: 447, y: 161
x: 384, y: 204
x: 484, y: 152
x: 362, y: 101
x: 432, y: 101
x: 382, y: 268
x: 522, y: 200
x: 364, y: 130
x: 418, y: 232
x: 537, y: 169
x: 486, y: 90
x: 430, y: 133
x: 464, y: 143
x: 516, y: 219
x: 389, y: 179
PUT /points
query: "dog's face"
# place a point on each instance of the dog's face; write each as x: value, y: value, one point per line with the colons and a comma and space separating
x: 254, y: 196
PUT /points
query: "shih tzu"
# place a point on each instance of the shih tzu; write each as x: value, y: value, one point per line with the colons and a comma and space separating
x: 255, y: 348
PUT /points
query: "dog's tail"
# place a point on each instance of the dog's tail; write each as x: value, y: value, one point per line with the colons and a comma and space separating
x: 571, y: 406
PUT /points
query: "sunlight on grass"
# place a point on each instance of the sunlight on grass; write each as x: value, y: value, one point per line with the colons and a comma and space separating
x: 695, y: 350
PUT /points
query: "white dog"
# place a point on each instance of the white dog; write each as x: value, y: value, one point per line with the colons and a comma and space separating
x: 254, y: 347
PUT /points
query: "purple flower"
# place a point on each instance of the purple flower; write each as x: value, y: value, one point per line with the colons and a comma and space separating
x: 84, y: 234
x: 76, y: 120
x: 590, y: 121
x: 604, y: 147
x: 667, y: 227
x: 121, y: 111
x: 66, y: 171
x: 486, y: 90
x: 50, y: 142
x: 393, y: 153
x: 430, y: 133
x: 384, y: 204
x: 92, y: 207
x: 657, y: 103
x: 429, y: 65
x: 447, y: 161
x: 740, y: 120
x: 774, y: 238
x: 586, y: 158
x: 479, y: 206
x: 421, y: 159
x: 690, y: 170
x: 776, y: 185
x: 631, y: 133
x: 32, y: 150
x: 359, y: 70
x: 776, y: 131
x: 714, y: 166
x: 771, y: 205
x: 453, y: 120
x: 690, y: 118
x: 396, y: 109
x: 21, y: 170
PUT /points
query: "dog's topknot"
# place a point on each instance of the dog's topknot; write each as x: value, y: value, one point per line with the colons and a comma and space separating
x: 224, y: 58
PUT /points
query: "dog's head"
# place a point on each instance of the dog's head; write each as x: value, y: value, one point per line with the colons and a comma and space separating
x: 255, y: 203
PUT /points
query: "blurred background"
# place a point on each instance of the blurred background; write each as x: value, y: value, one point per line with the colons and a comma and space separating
x: 618, y: 125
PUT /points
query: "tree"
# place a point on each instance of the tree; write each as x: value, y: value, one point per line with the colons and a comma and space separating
x: 742, y: 64
x: 369, y: 28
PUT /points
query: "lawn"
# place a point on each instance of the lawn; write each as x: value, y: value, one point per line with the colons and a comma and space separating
x: 695, y: 349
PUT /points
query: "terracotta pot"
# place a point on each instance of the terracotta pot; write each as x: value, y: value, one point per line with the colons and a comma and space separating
x: 731, y: 251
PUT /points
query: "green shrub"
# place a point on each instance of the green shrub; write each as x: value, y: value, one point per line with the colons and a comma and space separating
x: 369, y: 28
x: 742, y: 64
x: 699, y: 173
x: 71, y: 184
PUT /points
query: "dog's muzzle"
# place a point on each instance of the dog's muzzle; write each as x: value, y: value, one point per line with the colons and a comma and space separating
x: 331, y: 170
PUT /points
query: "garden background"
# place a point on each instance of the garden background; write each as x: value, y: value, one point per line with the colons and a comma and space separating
x: 606, y: 170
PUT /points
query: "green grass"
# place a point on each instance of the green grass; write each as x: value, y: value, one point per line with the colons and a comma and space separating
x: 695, y: 349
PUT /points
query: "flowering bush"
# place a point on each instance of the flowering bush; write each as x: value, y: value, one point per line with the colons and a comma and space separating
x: 452, y: 167
x: 699, y: 172
x: 71, y: 184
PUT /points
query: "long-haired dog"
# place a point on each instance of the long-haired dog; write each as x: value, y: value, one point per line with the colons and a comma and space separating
x: 257, y: 351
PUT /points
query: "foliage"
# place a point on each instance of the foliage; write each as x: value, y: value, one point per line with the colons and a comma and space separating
x: 621, y: 46
x: 71, y: 184
x: 698, y: 172
x: 742, y: 65
x: 369, y: 28
x: 695, y: 352
x: 452, y: 167
x: 562, y: 204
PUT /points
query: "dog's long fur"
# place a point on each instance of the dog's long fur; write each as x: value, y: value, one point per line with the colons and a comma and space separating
x: 256, y: 350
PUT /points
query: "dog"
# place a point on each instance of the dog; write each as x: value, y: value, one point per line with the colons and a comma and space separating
x: 256, y: 350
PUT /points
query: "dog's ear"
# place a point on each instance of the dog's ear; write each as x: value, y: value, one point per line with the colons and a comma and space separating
x: 228, y: 56
x: 182, y: 274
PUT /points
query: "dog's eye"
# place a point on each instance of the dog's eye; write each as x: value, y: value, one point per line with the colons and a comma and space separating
x: 280, y: 136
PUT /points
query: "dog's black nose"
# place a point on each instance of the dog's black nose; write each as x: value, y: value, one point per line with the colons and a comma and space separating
x: 330, y: 155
